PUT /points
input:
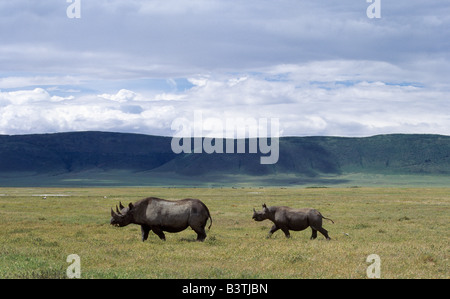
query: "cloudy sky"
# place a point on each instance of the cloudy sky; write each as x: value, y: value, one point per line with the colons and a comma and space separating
x: 320, y: 67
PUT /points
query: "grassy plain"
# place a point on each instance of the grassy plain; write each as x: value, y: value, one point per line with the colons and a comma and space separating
x: 408, y: 228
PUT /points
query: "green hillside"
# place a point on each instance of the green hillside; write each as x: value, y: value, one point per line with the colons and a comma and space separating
x: 101, y: 158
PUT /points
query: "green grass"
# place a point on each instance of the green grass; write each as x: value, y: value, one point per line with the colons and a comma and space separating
x: 407, y: 227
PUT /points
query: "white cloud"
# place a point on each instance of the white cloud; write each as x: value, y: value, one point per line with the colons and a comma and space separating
x: 60, y: 99
x: 345, y: 101
x: 121, y: 96
x: 201, y: 81
x: 25, y: 96
x: 169, y: 97
x: 182, y: 38
x: 321, y: 67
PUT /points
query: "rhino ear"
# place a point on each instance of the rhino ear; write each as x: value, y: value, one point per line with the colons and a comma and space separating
x: 130, y: 206
x: 120, y: 205
x: 264, y: 206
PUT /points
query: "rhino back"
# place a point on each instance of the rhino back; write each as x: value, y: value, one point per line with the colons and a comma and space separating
x: 294, y: 219
x: 167, y: 213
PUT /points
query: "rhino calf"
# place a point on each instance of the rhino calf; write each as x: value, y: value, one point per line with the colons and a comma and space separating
x: 286, y: 219
x: 160, y: 215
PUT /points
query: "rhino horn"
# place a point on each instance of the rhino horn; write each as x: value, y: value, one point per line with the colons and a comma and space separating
x: 117, y: 211
x: 112, y: 213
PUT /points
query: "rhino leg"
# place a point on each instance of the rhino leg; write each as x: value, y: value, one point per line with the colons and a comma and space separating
x: 286, y: 232
x: 159, y: 232
x: 145, y: 229
x: 316, y: 224
x: 201, y: 234
x: 272, y: 230
x: 324, y: 232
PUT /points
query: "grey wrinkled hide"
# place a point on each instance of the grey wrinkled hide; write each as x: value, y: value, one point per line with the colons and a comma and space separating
x: 160, y: 215
x: 286, y: 219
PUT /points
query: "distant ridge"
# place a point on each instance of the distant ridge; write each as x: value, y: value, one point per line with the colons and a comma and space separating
x: 74, y: 154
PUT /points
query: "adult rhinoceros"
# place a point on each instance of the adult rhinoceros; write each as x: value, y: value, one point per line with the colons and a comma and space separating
x: 160, y: 215
x: 286, y: 219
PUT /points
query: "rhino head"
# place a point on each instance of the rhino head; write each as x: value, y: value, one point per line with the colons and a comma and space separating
x: 122, y: 217
x: 262, y: 215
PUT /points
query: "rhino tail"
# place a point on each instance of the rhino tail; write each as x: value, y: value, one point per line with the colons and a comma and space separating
x: 210, y: 223
x: 209, y: 215
x: 327, y: 219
